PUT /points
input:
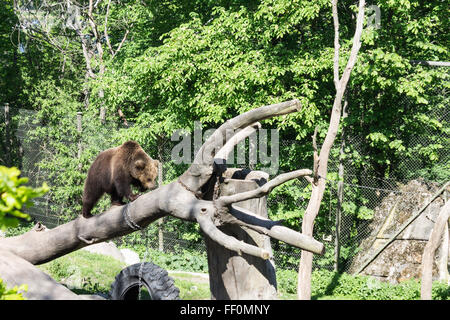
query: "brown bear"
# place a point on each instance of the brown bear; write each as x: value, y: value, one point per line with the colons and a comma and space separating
x: 114, y: 171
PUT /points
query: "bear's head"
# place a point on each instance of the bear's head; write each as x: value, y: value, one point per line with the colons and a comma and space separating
x: 145, y: 170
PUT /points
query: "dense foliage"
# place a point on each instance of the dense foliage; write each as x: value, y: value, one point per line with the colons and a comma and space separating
x: 11, y: 294
x: 13, y: 197
x: 185, y: 61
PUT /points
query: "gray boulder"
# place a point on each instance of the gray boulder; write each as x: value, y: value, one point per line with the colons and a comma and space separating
x: 107, y: 249
x: 130, y: 256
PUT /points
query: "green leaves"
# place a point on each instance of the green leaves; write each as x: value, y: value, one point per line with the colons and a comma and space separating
x: 12, y: 294
x: 14, y: 196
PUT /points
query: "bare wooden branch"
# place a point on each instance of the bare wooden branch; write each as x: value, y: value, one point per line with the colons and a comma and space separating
x: 315, y: 157
x: 222, y: 154
x: 227, y: 241
x: 356, y: 45
x: 264, y: 189
x: 337, y: 83
x: 275, y: 230
x: 40, y: 247
x: 108, y: 42
x: 16, y: 271
x: 244, y: 120
x: 202, y: 166
x: 123, y: 41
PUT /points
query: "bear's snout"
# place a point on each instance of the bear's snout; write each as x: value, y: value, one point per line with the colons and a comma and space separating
x: 148, y: 185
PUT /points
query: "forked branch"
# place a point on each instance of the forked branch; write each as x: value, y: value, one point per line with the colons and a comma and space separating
x: 263, y: 190
x: 180, y: 199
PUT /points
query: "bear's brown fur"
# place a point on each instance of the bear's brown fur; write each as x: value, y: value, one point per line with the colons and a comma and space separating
x: 114, y: 171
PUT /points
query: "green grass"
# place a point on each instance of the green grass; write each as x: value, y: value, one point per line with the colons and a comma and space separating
x: 192, y: 286
x: 190, y: 290
x: 89, y: 273
x: 84, y: 272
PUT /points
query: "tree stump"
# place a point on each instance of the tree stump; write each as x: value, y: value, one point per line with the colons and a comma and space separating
x: 239, y: 277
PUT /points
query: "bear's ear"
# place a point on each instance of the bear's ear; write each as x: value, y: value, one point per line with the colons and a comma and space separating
x: 139, y: 164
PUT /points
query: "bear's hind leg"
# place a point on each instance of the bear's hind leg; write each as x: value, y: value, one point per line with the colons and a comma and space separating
x: 90, y: 198
x: 87, y: 207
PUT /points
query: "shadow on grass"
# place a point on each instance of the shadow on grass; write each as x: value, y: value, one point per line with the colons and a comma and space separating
x: 331, y: 286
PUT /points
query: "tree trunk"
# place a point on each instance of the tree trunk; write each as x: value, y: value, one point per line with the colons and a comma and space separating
x: 16, y: 271
x: 237, y: 277
x: 321, y: 160
x: 340, y: 193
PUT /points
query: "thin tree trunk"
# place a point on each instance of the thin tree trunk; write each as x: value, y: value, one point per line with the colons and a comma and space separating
x: 160, y: 221
x: 340, y: 193
x: 321, y: 162
x: 7, y: 136
x: 430, y: 249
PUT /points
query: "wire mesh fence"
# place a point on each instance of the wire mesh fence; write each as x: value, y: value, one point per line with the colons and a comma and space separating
x: 361, y: 186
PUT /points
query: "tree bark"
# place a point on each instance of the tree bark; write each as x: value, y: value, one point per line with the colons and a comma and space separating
x: 7, y: 136
x: 16, y: 271
x: 430, y: 249
x: 340, y: 194
x: 233, y: 276
x: 321, y: 162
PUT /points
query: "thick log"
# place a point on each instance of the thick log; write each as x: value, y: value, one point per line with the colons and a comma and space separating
x: 38, y: 247
x: 233, y: 276
x: 16, y: 271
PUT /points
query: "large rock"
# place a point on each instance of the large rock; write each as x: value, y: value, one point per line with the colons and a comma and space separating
x: 107, y: 249
x: 125, y: 255
x: 401, y: 259
x: 130, y: 256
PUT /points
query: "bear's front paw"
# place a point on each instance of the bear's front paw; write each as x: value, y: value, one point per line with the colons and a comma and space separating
x: 134, y: 197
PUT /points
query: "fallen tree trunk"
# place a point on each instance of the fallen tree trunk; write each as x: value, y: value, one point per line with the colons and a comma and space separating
x: 16, y: 271
x: 184, y: 199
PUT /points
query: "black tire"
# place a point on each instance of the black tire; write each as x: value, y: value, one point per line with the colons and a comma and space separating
x: 156, y: 281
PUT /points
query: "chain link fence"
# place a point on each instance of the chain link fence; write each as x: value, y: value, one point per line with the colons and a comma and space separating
x: 362, y: 188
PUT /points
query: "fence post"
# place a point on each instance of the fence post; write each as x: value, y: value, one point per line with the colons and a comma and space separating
x: 79, y: 129
x: 7, y: 139
x: 340, y: 196
x: 161, y: 220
